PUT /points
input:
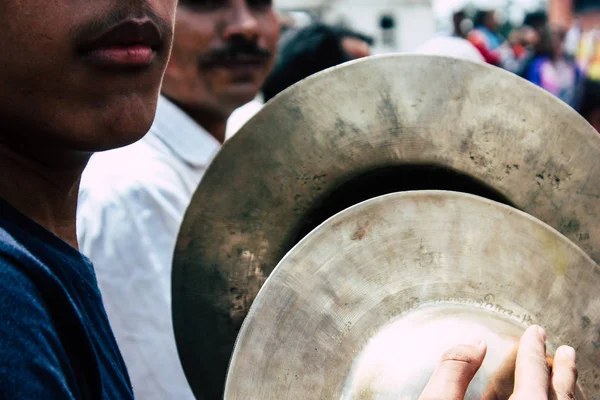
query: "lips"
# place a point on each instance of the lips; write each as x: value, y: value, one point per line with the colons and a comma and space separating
x: 131, y: 44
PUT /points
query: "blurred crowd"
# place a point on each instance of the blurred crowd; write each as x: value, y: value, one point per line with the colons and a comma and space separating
x: 564, y: 62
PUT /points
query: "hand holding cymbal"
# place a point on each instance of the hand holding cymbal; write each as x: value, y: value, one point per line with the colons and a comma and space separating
x: 534, y: 379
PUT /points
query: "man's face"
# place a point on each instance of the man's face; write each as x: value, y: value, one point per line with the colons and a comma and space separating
x: 529, y: 36
x: 493, y: 21
x: 81, y: 75
x: 558, y: 42
x: 223, y: 52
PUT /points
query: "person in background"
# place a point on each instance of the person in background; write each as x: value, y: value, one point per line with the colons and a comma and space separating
x: 492, y: 46
x: 451, y: 46
x: 241, y: 115
x: 133, y: 199
x: 537, y: 21
x: 522, y: 41
x: 589, y: 106
x: 77, y: 77
x: 485, y: 36
x: 311, y: 50
x: 520, y: 49
x: 303, y: 53
x: 588, y: 54
x: 461, y: 25
x: 550, y: 69
x: 454, y: 45
x: 533, y: 26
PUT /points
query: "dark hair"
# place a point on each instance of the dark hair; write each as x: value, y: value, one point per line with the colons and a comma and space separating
x: 457, y: 19
x: 544, y: 46
x: 537, y: 20
x: 585, y: 5
x: 306, y: 52
x: 458, y: 16
x: 590, y: 97
x: 481, y: 17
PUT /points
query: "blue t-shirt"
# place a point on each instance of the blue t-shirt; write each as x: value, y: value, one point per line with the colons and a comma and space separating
x: 55, y: 338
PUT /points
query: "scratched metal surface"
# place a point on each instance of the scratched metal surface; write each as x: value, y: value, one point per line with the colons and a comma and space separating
x: 364, y: 306
x: 380, y: 112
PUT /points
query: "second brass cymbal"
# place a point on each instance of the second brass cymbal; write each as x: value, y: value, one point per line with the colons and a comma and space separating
x: 365, y: 305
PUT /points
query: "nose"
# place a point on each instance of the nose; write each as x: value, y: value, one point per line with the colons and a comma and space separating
x: 242, y: 22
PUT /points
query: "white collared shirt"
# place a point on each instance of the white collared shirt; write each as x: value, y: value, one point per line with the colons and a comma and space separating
x: 132, y: 203
x: 242, y: 115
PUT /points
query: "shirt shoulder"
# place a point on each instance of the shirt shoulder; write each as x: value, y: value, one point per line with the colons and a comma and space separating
x: 33, y: 361
x: 144, y: 169
x: 140, y: 161
x: 55, y: 340
x: 137, y: 203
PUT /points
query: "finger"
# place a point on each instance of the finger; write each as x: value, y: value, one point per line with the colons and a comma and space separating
x: 501, y: 384
x: 532, y: 376
x: 453, y: 374
x: 564, y: 374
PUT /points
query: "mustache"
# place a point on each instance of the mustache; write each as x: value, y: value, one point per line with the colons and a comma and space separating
x: 236, y: 50
x: 128, y: 10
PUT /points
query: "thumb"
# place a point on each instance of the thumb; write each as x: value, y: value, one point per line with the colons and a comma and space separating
x: 455, y: 371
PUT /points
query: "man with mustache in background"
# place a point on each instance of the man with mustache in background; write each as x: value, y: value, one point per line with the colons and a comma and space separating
x: 77, y: 77
x: 133, y: 199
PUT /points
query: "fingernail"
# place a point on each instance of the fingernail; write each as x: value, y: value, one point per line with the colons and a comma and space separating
x: 569, y: 352
x: 541, y: 332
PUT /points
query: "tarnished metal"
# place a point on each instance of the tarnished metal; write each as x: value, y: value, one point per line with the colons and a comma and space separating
x: 367, y: 128
x: 365, y: 305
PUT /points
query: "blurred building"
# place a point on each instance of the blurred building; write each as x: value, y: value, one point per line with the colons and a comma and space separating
x: 396, y: 25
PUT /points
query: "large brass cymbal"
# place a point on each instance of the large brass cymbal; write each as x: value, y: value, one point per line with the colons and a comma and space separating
x: 375, y: 126
x: 364, y: 306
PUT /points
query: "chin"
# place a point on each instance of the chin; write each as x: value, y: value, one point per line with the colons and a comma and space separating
x: 123, y: 123
x: 242, y: 94
x: 122, y: 136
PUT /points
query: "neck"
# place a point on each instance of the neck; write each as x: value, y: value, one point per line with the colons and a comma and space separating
x: 213, y: 122
x: 42, y: 191
x: 216, y: 127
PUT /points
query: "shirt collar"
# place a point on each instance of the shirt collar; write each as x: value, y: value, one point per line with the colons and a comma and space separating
x: 260, y: 98
x: 183, y: 135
